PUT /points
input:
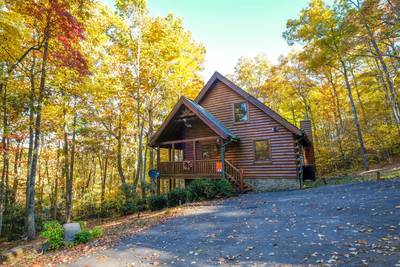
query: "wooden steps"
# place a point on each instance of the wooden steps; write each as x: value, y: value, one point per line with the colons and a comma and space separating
x: 235, y: 177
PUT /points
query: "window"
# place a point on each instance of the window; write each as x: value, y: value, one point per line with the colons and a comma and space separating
x: 262, y: 150
x: 241, y: 112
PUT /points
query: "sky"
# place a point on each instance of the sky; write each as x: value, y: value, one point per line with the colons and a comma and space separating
x: 230, y: 29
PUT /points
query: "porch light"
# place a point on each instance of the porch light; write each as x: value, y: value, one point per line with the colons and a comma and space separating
x: 187, y: 124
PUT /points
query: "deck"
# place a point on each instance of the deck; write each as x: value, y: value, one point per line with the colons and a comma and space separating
x: 191, y: 169
x: 196, y: 169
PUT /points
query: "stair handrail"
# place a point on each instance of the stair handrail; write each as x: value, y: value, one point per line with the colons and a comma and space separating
x: 236, y: 174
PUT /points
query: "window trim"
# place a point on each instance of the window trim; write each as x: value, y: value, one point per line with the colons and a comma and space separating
x: 262, y: 161
x: 233, y: 112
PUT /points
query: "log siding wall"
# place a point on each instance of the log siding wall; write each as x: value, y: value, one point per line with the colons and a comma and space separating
x: 219, y: 102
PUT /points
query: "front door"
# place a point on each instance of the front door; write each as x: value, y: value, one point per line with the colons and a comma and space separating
x: 208, y: 151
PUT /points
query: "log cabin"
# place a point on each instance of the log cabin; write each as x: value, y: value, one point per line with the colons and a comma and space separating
x: 227, y: 133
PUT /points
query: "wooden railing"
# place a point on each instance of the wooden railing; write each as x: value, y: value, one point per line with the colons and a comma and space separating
x: 202, y: 169
x: 235, y: 175
x: 190, y: 168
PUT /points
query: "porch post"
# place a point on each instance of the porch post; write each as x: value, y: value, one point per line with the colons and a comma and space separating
x: 158, y: 167
x: 173, y: 167
x: 170, y: 160
x: 194, y: 157
x: 222, y: 157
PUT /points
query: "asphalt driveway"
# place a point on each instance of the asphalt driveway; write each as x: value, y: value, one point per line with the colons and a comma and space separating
x: 356, y: 224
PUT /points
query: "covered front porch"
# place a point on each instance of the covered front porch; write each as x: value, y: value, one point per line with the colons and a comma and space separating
x: 191, y: 158
x: 191, y: 144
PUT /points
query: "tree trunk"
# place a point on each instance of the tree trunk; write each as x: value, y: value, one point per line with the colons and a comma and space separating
x: 17, y: 165
x: 54, y: 202
x: 355, y: 116
x: 119, y: 154
x: 384, y: 69
x: 138, y: 103
x: 4, y: 146
x: 103, y: 181
x: 30, y: 200
x: 393, y: 107
x: 143, y: 181
x: 70, y: 177
x: 31, y: 125
x: 363, y: 114
x: 339, y: 127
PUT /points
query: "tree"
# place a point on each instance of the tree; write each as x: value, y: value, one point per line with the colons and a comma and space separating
x: 328, y: 37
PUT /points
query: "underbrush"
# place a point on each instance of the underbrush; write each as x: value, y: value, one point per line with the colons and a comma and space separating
x: 356, y: 178
x: 53, y: 232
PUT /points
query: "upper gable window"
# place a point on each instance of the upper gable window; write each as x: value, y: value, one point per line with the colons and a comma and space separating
x: 241, y: 112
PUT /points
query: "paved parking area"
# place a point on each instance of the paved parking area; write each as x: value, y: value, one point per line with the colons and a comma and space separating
x: 348, y: 225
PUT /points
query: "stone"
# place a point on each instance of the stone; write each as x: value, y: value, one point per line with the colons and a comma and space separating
x: 70, y: 229
x: 8, y: 257
x: 278, y: 184
x: 17, y: 251
x: 43, y: 248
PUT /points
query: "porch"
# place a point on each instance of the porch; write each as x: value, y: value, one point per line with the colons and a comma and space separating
x: 191, y: 144
x: 198, y: 158
x: 191, y: 169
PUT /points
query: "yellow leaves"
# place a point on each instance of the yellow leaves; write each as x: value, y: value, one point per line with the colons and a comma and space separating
x: 12, y: 34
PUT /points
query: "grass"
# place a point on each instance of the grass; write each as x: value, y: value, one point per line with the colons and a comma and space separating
x: 356, y: 178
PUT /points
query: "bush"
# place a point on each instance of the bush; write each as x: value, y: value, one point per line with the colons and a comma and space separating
x: 85, y: 235
x: 205, y: 189
x: 157, y: 202
x: 141, y: 204
x: 224, y: 188
x: 202, y: 189
x: 135, y: 205
x: 82, y: 237
x: 14, y: 222
x: 112, y: 206
x: 176, y: 197
x: 54, y: 232
x: 96, y: 232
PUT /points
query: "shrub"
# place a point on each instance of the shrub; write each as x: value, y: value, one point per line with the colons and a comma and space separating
x: 54, y: 232
x: 202, y: 189
x: 112, y: 206
x: 157, y: 202
x: 96, y: 232
x: 223, y: 188
x: 82, y: 224
x: 176, y: 197
x: 82, y: 237
x: 135, y: 205
x: 85, y: 235
x: 14, y: 222
x: 141, y: 204
x: 208, y: 189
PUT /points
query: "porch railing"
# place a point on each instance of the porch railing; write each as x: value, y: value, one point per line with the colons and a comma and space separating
x: 212, y: 168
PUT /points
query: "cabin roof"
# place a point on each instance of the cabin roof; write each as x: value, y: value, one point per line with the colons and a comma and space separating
x: 205, y: 116
x: 219, y: 77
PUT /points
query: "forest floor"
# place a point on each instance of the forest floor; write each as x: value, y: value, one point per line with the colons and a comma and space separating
x: 387, y: 172
x: 113, y: 230
x: 352, y: 224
